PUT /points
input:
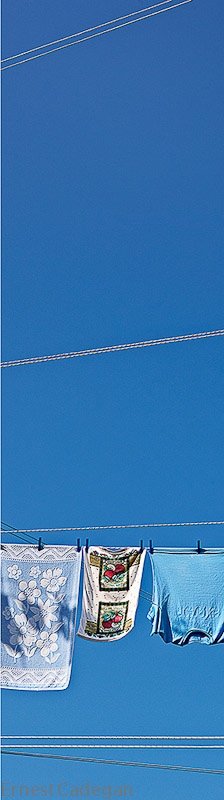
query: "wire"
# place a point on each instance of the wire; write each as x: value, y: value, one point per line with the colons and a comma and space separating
x: 101, y: 33
x: 121, y: 746
x: 189, y: 738
x: 88, y: 30
x: 148, y: 599
x: 119, y: 527
x: 8, y: 526
x: 34, y: 539
x: 117, y: 763
x: 144, y: 598
x: 20, y: 537
x: 114, y: 348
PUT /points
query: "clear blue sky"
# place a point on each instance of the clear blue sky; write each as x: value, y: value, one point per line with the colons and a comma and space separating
x: 113, y: 232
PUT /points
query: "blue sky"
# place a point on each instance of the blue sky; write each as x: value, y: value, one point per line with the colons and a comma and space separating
x: 113, y: 232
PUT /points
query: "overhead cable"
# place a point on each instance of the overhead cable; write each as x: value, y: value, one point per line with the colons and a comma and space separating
x: 118, y: 527
x: 101, y: 33
x: 12, y: 532
x: 21, y: 539
x: 148, y: 598
x: 119, y: 746
x: 117, y: 763
x: 163, y: 738
x: 8, y: 526
x: 112, y: 349
x: 88, y: 30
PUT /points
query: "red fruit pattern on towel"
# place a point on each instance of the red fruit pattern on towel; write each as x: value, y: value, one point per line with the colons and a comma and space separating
x: 114, y: 572
x: 112, y: 621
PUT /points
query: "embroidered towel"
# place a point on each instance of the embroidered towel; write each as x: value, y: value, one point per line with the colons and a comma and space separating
x: 189, y: 596
x: 39, y: 602
x: 112, y: 580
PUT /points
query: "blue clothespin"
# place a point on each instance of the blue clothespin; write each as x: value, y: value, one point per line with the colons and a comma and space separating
x: 199, y: 546
x: 87, y: 545
x: 78, y: 545
x: 150, y: 546
x: 141, y: 546
x: 40, y: 546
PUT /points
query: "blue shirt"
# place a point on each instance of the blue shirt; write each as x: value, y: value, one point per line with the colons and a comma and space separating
x: 188, y: 596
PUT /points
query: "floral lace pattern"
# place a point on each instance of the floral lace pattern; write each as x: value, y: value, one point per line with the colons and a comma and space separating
x: 14, y: 572
x: 39, y: 598
x: 35, y: 628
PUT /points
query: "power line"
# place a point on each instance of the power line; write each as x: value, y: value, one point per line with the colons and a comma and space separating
x: 101, y: 33
x: 95, y: 737
x: 88, y: 30
x: 34, y: 539
x: 117, y: 763
x: 145, y: 598
x: 8, y: 526
x: 120, y: 746
x: 21, y: 539
x: 119, y: 527
x: 148, y: 597
x: 114, y: 348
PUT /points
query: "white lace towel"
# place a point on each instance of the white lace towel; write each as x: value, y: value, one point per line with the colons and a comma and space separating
x: 39, y: 601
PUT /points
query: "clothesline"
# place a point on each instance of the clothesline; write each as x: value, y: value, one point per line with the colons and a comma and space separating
x: 113, y: 348
x: 151, y: 549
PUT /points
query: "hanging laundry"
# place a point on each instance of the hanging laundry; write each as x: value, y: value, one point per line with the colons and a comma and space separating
x: 188, y: 596
x: 112, y: 580
x: 38, y: 606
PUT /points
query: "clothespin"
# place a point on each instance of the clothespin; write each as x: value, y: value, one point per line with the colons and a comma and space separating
x: 150, y: 546
x: 40, y: 546
x: 78, y: 545
x: 87, y: 545
x: 199, y: 546
x: 141, y: 546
